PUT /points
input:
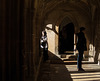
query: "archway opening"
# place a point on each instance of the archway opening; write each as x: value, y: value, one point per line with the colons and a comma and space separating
x: 66, y: 39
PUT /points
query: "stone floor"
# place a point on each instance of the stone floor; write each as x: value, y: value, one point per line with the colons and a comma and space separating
x: 55, y: 69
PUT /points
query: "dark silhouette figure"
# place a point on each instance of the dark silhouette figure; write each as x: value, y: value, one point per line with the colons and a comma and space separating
x: 81, y: 47
x: 44, y: 45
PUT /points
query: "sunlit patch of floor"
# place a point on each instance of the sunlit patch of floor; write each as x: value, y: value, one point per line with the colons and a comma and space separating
x: 94, y: 76
x: 91, y: 73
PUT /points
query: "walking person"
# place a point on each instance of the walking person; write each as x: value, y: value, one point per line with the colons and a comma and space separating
x: 81, y: 47
x: 44, y: 45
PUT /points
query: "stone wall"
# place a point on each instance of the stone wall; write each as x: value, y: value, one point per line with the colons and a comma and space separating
x: 19, y: 54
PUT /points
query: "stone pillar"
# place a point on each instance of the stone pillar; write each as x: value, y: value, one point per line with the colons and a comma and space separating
x: 91, y: 53
x: 2, y: 40
x: 99, y: 59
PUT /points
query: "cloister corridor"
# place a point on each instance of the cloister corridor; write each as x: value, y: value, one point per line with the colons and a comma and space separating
x: 21, y: 25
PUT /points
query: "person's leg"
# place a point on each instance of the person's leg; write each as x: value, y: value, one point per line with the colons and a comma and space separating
x: 46, y: 53
x: 43, y: 54
x: 79, y: 60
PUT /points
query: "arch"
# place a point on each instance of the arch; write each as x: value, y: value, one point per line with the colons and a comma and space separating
x: 66, y: 37
x: 77, y: 13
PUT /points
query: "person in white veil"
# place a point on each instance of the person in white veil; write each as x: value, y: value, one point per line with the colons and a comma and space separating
x: 44, y: 45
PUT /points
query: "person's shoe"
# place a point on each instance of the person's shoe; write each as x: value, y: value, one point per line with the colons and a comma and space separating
x: 81, y: 69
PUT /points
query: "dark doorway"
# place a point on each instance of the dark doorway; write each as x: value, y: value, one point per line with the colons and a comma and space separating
x: 66, y: 38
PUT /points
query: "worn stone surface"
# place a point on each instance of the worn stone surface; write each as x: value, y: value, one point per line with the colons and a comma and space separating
x: 55, y: 71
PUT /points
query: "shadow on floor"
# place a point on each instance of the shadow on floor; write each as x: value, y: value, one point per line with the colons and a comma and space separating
x: 54, y: 70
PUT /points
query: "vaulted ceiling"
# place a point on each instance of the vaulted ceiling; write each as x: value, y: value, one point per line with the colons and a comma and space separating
x: 80, y: 12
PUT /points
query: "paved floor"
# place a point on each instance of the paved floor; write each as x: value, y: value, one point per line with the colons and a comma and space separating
x: 55, y: 69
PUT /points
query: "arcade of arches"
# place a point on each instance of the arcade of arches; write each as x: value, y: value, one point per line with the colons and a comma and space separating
x: 21, y: 24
